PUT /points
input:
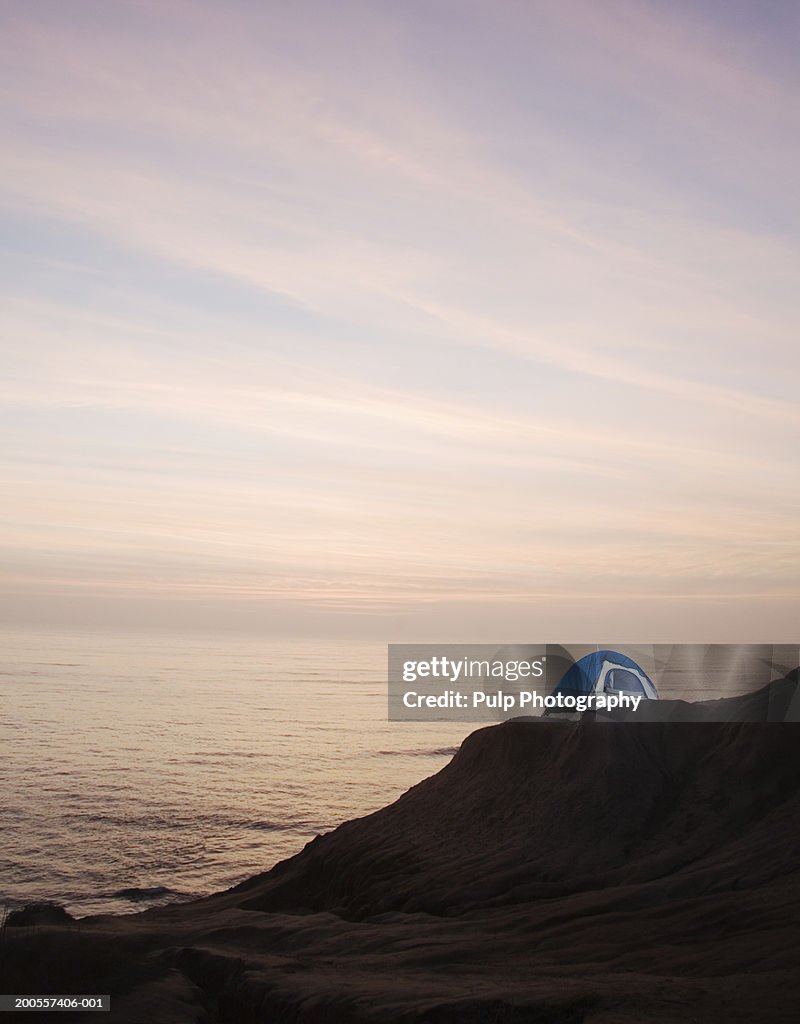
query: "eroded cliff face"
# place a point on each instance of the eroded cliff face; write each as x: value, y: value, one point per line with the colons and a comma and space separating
x: 543, y: 808
x: 554, y: 871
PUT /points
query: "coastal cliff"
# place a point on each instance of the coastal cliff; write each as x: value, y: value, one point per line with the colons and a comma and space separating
x: 554, y: 871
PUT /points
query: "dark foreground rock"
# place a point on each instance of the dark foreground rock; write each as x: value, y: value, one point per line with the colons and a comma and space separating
x: 35, y: 914
x: 555, y: 871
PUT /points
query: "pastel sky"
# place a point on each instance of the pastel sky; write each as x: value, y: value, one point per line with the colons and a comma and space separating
x: 434, y: 319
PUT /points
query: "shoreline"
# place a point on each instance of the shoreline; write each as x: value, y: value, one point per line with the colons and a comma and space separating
x: 552, y: 871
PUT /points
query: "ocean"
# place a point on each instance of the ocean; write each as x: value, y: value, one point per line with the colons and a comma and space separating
x: 139, y: 769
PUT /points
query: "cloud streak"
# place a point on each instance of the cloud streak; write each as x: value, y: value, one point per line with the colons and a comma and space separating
x: 297, y: 311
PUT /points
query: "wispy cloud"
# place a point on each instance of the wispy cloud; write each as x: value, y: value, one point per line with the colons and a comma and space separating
x: 362, y: 312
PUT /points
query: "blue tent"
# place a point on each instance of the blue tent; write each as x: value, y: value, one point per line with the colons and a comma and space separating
x: 606, y: 672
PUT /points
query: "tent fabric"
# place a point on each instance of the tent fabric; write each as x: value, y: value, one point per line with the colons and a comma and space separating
x: 606, y: 671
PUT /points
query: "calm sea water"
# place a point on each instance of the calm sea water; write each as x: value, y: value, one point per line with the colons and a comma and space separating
x: 186, y: 764
x: 183, y: 764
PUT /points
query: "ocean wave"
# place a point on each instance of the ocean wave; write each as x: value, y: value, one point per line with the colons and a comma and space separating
x: 143, y: 894
x: 420, y: 752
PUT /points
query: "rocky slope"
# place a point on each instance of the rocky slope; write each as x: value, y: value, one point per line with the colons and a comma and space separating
x: 595, y: 871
